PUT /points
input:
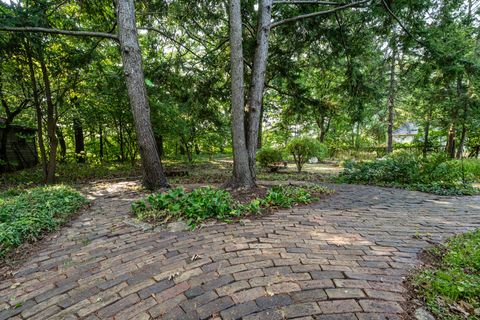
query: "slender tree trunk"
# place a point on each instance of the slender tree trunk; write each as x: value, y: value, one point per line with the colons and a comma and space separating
x: 461, y: 145
x: 254, y: 106
x: 450, y: 148
x: 63, y: 145
x: 38, y: 111
x: 260, y: 128
x: 101, y: 143
x: 242, y: 176
x: 79, y: 141
x: 391, y: 97
x: 159, y: 141
x: 51, y: 125
x: 3, y: 145
x: 153, y: 175
x: 426, y: 134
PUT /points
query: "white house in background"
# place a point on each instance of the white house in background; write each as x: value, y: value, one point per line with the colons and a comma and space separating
x: 405, y: 133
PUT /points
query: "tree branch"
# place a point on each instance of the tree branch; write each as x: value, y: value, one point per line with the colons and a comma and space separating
x: 390, y: 12
x: 171, y: 38
x: 314, y: 14
x: 327, y: 3
x: 64, y: 32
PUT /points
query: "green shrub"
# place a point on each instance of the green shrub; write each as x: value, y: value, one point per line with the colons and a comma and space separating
x: 454, y: 278
x: 270, y: 158
x: 471, y: 167
x: 196, y: 206
x: 434, y: 174
x: 209, y: 203
x: 304, y: 148
x: 28, y: 215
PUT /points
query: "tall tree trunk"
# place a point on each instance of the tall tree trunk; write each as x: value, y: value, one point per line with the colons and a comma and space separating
x: 391, y: 96
x: 242, y: 176
x: 38, y: 111
x: 101, y: 143
x: 427, y: 133
x: 461, y: 145
x: 153, y: 175
x: 51, y: 125
x: 4, y: 165
x: 450, y: 147
x: 257, y: 86
x: 159, y: 141
x: 63, y: 145
x: 79, y: 141
x: 260, y: 128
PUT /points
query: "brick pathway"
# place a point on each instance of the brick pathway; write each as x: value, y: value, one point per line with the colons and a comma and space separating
x: 343, y: 258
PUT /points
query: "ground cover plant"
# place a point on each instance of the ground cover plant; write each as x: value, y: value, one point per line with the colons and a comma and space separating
x: 206, y: 203
x: 434, y: 173
x: 450, y: 286
x: 26, y: 216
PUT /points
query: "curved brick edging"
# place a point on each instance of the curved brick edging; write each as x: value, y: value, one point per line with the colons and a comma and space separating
x: 342, y: 258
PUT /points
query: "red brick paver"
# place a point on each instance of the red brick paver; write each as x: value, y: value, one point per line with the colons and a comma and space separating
x: 342, y: 258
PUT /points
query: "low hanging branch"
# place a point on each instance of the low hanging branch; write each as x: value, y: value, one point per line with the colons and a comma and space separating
x: 64, y: 32
x: 314, y: 14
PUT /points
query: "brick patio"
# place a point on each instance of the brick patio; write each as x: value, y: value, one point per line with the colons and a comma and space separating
x: 342, y: 258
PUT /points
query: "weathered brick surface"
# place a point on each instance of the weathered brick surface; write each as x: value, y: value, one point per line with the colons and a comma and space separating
x: 342, y: 258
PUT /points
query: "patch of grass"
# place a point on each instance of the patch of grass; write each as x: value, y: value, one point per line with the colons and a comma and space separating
x: 451, y: 287
x: 210, y: 203
x: 70, y: 173
x: 26, y: 216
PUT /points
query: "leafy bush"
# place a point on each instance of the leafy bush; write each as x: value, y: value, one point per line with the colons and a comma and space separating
x: 209, y: 203
x: 434, y: 174
x: 28, y: 215
x: 270, y: 158
x: 471, y: 167
x: 304, y: 148
x: 454, y: 280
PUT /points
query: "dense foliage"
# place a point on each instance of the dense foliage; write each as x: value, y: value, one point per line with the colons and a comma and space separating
x: 434, y: 173
x: 451, y: 287
x: 26, y: 216
x: 206, y: 203
x: 344, y: 79
x: 270, y: 158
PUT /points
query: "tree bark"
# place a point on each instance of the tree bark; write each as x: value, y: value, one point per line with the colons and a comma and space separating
x: 427, y: 133
x: 391, y: 97
x: 3, y: 145
x: 450, y: 148
x: 260, y: 128
x: 101, y: 142
x: 38, y: 111
x: 461, y: 145
x: 62, y: 143
x: 242, y: 176
x: 254, y: 106
x: 51, y: 125
x: 153, y: 175
x: 79, y: 141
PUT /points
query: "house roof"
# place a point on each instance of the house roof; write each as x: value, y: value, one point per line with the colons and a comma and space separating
x: 406, y: 129
x: 17, y: 126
